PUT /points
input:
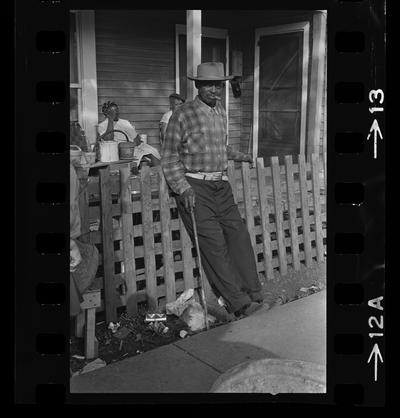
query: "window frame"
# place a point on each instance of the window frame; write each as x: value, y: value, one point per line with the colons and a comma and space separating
x: 77, y: 86
x: 87, y: 73
x: 303, y: 27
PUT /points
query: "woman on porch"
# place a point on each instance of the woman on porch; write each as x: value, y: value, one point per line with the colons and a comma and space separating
x: 115, y: 128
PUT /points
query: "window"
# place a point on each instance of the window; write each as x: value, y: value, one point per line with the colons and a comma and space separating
x: 280, y: 90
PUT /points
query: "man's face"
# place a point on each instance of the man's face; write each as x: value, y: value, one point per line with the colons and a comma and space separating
x: 210, y: 91
x: 174, y: 103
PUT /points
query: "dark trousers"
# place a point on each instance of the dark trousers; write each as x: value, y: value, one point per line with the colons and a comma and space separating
x: 225, y: 246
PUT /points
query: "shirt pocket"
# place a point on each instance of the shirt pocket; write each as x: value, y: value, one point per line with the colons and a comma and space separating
x: 196, y: 142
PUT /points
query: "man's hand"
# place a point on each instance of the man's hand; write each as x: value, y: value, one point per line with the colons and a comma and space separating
x: 75, y: 256
x: 189, y: 199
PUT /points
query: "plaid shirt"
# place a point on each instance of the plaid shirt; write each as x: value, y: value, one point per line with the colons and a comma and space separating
x: 195, y: 141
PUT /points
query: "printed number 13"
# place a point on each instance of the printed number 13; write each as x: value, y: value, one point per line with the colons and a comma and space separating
x: 376, y: 95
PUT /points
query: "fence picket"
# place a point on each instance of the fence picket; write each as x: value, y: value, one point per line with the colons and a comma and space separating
x: 127, y: 241
x: 108, y: 245
x: 168, y: 260
x: 292, y: 211
x: 264, y: 215
x: 148, y: 238
x: 187, y: 258
x: 317, y: 207
x: 248, y: 208
x: 304, y: 210
x: 276, y: 185
x: 232, y: 180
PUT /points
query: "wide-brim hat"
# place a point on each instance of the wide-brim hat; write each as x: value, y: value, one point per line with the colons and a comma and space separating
x: 210, y: 71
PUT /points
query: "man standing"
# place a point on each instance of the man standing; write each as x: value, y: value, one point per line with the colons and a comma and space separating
x: 194, y: 161
x: 175, y: 100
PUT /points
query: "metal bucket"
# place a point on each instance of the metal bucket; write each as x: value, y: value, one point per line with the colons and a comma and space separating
x: 126, y: 150
x: 108, y: 151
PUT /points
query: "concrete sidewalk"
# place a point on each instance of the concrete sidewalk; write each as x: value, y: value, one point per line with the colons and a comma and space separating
x: 295, y: 331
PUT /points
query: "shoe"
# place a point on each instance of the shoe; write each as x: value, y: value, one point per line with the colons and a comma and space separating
x: 247, y: 309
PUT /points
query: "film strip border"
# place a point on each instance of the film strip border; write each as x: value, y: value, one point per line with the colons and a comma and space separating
x: 356, y: 203
x: 356, y: 155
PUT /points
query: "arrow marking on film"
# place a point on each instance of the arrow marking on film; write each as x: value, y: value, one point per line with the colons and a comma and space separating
x: 375, y: 353
x: 376, y: 131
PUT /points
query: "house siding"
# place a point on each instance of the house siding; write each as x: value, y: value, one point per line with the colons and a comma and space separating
x: 136, y: 66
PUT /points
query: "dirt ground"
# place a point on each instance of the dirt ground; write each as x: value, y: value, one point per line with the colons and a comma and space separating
x: 137, y: 337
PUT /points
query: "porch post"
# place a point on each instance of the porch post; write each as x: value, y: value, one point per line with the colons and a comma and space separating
x: 88, y: 74
x: 193, y: 47
x: 317, y: 82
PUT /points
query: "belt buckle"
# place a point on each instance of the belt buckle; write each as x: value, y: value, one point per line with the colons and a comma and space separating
x: 215, y: 177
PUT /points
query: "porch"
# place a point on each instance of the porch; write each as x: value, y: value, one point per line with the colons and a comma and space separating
x: 136, y: 58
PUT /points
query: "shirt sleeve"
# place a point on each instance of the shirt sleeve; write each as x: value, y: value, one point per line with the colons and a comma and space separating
x: 234, y: 155
x: 171, y: 163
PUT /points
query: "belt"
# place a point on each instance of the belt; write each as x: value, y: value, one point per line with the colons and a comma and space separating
x: 209, y: 176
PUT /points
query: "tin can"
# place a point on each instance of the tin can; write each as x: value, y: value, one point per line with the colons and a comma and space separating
x: 126, y: 150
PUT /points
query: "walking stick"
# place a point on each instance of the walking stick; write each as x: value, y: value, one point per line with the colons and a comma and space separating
x: 203, y: 297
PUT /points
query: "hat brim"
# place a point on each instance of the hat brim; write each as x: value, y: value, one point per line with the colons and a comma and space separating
x: 228, y: 77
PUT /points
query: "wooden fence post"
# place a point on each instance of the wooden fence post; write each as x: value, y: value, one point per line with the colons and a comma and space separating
x: 148, y: 239
x: 317, y: 207
x: 108, y: 245
x: 248, y: 208
x: 127, y: 240
x: 292, y: 211
x: 264, y: 215
x: 305, y: 213
x: 168, y: 260
x: 280, y: 234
